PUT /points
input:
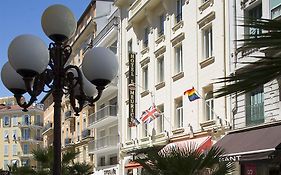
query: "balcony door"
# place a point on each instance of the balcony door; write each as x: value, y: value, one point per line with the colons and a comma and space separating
x: 113, y: 106
x: 255, y: 107
x: 102, y: 139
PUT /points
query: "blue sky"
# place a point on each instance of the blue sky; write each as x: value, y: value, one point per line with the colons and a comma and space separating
x: 24, y: 17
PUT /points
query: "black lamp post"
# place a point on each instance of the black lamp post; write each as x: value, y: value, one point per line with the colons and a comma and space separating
x: 32, y: 68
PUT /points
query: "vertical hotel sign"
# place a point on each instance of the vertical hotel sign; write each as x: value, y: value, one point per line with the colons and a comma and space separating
x: 132, y: 91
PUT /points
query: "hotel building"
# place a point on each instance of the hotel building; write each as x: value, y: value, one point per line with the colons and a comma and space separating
x: 177, y: 45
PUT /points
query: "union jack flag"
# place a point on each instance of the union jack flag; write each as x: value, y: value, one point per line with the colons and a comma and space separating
x: 150, y: 114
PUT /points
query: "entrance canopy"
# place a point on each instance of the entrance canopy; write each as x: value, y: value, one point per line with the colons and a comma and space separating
x: 201, y: 143
x: 252, y: 144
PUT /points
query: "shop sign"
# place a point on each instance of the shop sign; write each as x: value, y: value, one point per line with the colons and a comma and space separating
x: 250, y: 169
x: 230, y: 158
x: 132, y: 93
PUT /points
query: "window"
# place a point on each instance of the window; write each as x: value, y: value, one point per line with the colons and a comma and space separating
x: 78, y: 131
x: 209, y: 106
x: 15, y: 150
x: 25, y: 133
x: 6, y: 135
x: 208, y: 42
x: 178, y: 59
x: 145, y: 38
x: 129, y: 132
x: 161, y: 26
x: 178, y: 113
x: 130, y: 46
x: 160, y: 119
x: 6, y: 121
x: 25, y: 149
x: 38, y: 120
x: 15, y: 134
x: 15, y: 120
x: 255, y: 13
x: 84, y: 123
x: 160, y: 69
x: 6, y: 150
x: 113, y: 160
x: 179, y: 10
x: 255, y: 107
x: 145, y: 77
x: 6, y: 163
x: 102, y: 161
x: 25, y: 120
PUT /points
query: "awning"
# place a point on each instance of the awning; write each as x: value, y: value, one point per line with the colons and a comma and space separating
x: 252, y: 144
x: 132, y: 165
x: 201, y: 143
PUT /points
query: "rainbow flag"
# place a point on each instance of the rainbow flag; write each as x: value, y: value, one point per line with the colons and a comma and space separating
x: 191, y: 93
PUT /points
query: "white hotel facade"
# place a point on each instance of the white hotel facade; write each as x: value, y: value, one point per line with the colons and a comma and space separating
x: 179, y: 44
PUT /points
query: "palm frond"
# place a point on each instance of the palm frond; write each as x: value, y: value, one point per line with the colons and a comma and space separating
x: 266, y: 69
x: 183, y: 161
x: 81, y: 169
x: 69, y: 156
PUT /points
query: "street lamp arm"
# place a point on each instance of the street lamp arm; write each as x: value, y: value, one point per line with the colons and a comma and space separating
x: 24, y: 104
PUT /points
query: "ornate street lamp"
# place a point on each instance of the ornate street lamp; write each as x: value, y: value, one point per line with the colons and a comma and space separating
x: 32, y: 68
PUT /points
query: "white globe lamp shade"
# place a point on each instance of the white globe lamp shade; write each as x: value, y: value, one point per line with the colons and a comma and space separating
x: 88, y: 88
x: 12, y: 80
x: 28, y: 55
x: 100, y: 66
x: 58, y: 23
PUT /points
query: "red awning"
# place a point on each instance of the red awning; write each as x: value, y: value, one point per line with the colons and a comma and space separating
x: 201, y: 143
x: 132, y: 165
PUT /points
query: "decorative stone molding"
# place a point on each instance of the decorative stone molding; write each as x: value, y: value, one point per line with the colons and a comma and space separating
x: 205, y: 5
x: 207, y: 19
x: 160, y: 85
x: 144, y: 93
x: 145, y: 61
x: 207, y: 62
x: 178, y: 76
x: 177, y: 39
x: 145, y: 50
x: 178, y: 131
x: 160, y: 39
x: 177, y: 26
x: 160, y: 51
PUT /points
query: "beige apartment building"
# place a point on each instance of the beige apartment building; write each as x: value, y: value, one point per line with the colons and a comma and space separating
x: 20, y: 132
x: 75, y: 134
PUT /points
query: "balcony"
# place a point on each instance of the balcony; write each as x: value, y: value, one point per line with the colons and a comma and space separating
x: 68, y: 142
x: 30, y: 139
x: 86, y: 134
x: 68, y: 115
x: 47, y: 128
x: 139, y: 9
x: 29, y: 124
x: 25, y: 155
x: 103, y: 144
x: 103, y: 116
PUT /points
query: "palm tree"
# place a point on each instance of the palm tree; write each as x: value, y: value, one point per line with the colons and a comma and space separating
x: 44, y: 158
x: 268, y: 66
x: 183, y: 161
